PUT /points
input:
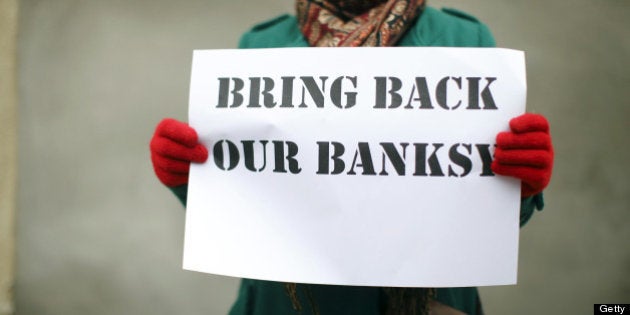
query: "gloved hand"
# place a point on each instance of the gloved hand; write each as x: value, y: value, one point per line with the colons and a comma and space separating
x: 525, y: 152
x: 173, y: 146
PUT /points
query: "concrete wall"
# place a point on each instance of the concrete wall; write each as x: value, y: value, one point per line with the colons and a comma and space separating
x: 8, y: 150
x: 98, y: 234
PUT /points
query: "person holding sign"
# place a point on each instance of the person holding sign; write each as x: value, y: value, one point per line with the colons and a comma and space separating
x: 525, y: 152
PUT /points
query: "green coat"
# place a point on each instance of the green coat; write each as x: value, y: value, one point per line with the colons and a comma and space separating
x: 434, y: 27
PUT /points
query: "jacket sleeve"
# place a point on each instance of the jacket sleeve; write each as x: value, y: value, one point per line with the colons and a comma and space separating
x: 181, y: 192
x: 529, y: 205
x: 485, y: 37
x: 470, y: 26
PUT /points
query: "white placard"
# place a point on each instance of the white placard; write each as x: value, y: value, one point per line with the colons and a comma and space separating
x: 354, y: 166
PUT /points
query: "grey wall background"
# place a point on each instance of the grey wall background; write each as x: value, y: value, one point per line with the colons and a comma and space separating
x: 8, y: 150
x: 98, y: 234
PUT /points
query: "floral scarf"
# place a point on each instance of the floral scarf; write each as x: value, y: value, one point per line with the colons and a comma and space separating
x: 352, y: 23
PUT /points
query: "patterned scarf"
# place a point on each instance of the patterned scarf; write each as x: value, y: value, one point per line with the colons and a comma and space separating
x: 352, y: 23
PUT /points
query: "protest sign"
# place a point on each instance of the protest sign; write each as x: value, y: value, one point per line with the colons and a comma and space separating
x: 354, y: 166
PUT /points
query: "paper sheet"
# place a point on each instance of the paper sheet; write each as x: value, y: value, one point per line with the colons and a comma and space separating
x: 354, y: 166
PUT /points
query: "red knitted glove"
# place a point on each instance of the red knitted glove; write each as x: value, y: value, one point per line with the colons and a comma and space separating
x: 173, y: 147
x: 525, y: 152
